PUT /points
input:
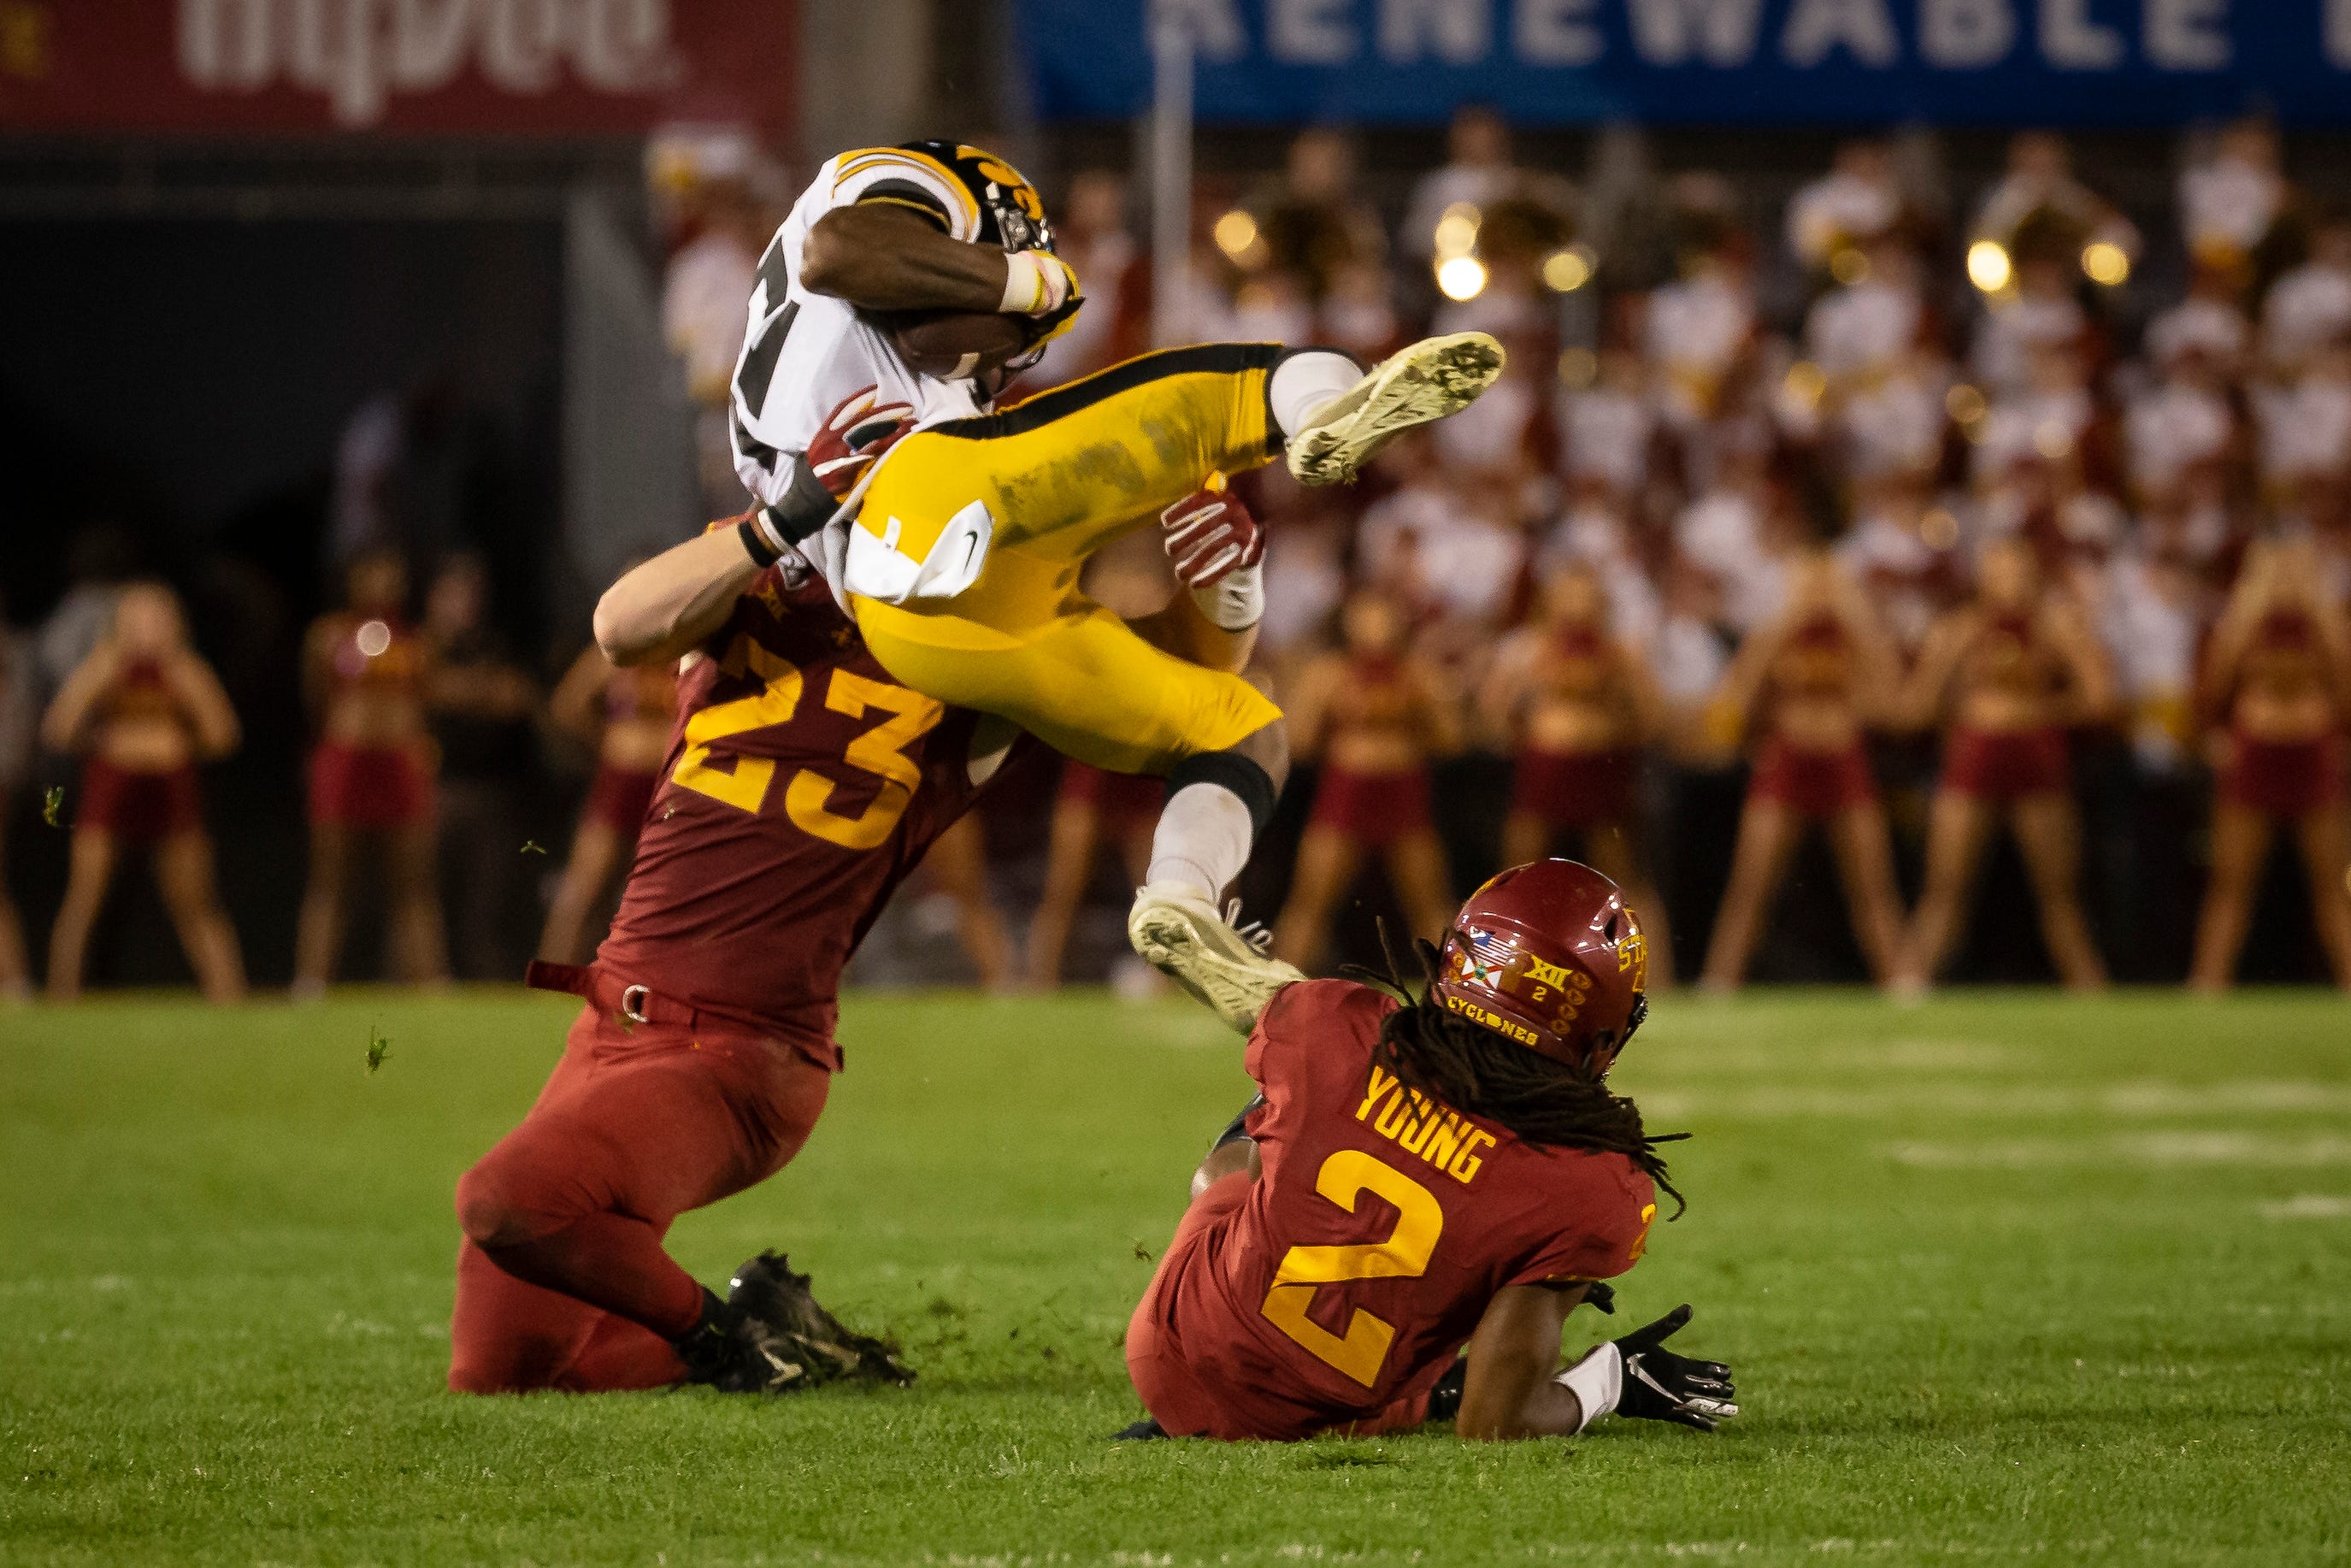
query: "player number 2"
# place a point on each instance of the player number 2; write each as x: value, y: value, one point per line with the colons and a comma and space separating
x: 1403, y: 1255
x: 806, y: 799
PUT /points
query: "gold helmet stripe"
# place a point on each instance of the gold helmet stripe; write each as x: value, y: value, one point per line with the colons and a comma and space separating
x: 859, y: 161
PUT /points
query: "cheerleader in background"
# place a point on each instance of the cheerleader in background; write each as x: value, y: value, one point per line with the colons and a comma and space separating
x: 1808, y: 686
x: 1575, y: 705
x: 956, y: 871
x: 1091, y: 805
x: 627, y: 716
x: 146, y: 708
x: 1374, y: 714
x: 2007, y: 674
x: 2277, y: 680
x: 364, y: 677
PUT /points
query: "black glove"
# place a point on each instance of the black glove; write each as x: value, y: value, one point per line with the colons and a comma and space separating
x: 1662, y: 1386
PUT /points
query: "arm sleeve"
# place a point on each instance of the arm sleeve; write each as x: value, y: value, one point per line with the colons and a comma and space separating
x: 895, y: 176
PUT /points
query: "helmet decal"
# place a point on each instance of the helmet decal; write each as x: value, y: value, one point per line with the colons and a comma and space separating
x: 1548, y: 955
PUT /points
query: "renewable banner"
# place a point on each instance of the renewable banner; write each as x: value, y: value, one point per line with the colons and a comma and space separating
x: 475, y: 67
x: 1994, y: 62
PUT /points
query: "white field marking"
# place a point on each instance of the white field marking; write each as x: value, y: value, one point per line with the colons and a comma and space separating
x: 2138, y: 1098
x: 2153, y: 1149
x: 2308, y: 1206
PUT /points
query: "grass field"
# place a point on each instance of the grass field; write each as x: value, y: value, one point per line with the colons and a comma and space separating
x: 2003, y: 1276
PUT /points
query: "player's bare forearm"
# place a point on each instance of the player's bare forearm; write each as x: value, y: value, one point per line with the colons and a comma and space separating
x: 1510, y: 1390
x: 1180, y: 629
x: 210, y: 713
x: 70, y: 712
x: 882, y: 258
x: 573, y: 707
x: 668, y: 606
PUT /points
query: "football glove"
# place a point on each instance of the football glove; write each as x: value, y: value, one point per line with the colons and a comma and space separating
x: 1662, y: 1386
x: 1218, y: 553
x: 1208, y: 534
x: 860, y: 428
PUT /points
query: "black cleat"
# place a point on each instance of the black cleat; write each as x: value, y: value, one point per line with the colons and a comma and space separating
x: 1445, y: 1398
x: 1142, y: 1431
x: 733, y: 1352
x: 768, y: 1291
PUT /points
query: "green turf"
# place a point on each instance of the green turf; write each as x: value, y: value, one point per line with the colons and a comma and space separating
x: 2008, y: 1276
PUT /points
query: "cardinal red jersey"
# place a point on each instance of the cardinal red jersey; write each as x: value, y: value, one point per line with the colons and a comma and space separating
x: 1382, y: 1227
x: 801, y: 786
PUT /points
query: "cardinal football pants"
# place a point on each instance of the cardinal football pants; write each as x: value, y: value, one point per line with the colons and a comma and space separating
x: 1062, y: 474
x: 561, y: 1279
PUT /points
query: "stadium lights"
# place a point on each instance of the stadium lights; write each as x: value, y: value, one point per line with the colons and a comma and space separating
x: 1457, y: 231
x: 1807, y: 384
x: 1236, y: 234
x: 2052, y: 439
x: 1461, y: 277
x: 1989, y: 267
x: 1567, y: 269
x: 2105, y: 263
x: 1849, y: 267
x: 1939, y: 529
x: 1966, y: 404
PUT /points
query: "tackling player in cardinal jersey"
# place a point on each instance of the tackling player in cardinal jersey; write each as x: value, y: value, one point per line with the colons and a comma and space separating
x: 1419, y: 1175
x: 801, y: 785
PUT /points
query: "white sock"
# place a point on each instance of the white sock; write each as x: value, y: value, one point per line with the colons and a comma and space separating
x: 1305, y: 382
x: 1203, y: 839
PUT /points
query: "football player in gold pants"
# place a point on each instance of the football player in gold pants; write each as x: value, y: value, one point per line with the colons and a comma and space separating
x: 963, y: 540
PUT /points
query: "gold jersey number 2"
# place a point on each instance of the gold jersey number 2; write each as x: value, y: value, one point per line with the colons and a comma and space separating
x: 1403, y: 1255
x: 806, y: 799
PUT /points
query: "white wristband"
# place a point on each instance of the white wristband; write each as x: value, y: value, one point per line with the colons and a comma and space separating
x: 1236, y: 601
x: 1597, y: 1382
x: 1025, y: 285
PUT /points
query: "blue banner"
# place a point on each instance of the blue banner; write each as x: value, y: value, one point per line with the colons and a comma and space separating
x: 1987, y: 62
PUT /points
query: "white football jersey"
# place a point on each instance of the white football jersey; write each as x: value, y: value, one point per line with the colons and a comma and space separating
x: 804, y: 354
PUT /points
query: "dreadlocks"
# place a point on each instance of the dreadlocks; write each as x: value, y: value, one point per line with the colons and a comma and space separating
x: 1474, y: 1070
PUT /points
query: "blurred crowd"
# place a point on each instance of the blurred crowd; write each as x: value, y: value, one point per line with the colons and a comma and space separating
x: 1938, y: 527
x: 1932, y: 530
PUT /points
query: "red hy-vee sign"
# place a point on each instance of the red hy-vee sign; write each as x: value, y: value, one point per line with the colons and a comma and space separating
x: 532, y: 66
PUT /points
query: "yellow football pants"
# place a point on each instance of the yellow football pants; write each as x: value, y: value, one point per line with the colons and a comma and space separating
x: 1062, y: 475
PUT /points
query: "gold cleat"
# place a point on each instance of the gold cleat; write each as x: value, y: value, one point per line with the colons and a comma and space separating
x: 1178, y: 934
x: 1419, y: 383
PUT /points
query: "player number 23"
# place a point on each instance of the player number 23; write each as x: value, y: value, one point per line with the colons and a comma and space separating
x: 808, y: 798
x: 1343, y: 1177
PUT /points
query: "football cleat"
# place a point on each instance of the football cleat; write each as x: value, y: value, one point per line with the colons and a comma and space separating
x: 1422, y: 381
x: 733, y: 1352
x: 1146, y: 1430
x: 769, y: 1294
x: 1445, y: 1398
x: 1177, y: 933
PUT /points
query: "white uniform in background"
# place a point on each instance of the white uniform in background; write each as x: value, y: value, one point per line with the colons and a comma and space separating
x: 805, y: 353
x: 1863, y: 329
x: 2150, y: 629
x: 2305, y: 428
x: 2199, y: 326
x: 1607, y: 438
x: 1696, y: 330
x: 2171, y: 429
x: 1721, y: 534
x: 2307, y: 308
